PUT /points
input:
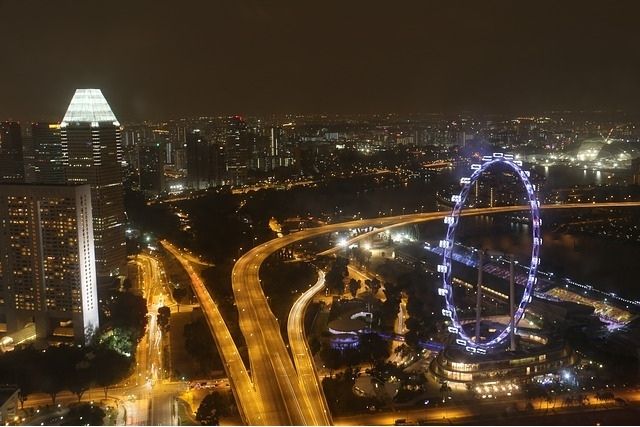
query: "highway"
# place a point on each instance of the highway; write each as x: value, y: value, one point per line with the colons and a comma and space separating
x: 250, y: 404
x: 302, y: 357
x: 403, y: 220
x: 272, y: 369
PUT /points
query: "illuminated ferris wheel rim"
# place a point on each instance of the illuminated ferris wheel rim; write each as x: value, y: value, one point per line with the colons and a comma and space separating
x: 448, y: 243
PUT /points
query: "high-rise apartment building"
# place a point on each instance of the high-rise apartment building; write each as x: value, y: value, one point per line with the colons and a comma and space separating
x: 197, y: 152
x: 236, y: 150
x: 274, y: 147
x: 205, y: 161
x: 11, y: 156
x: 92, y: 154
x: 47, y: 264
x: 151, y: 171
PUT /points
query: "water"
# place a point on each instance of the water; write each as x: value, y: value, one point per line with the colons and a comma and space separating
x: 606, y: 264
x: 563, y: 176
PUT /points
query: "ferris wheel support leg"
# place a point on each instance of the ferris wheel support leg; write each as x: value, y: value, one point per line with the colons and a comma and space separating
x: 479, y: 294
x: 512, y: 302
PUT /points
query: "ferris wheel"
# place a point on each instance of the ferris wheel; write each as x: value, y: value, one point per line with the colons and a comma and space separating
x: 447, y: 244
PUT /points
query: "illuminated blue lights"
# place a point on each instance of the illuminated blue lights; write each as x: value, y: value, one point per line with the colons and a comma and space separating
x: 447, y: 244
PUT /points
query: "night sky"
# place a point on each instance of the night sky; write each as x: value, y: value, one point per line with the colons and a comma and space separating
x: 160, y: 59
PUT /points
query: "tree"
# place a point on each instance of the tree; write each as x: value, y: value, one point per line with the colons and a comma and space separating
x: 354, y: 285
x: 56, y: 369
x: 85, y: 414
x: 164, y: 314
x: 331, y: 358
x: 375, y: 285
x: 121, y: 340
x: 179, y: 293
x: 81, y: 379
x: 18, y: 367
x: 211, y: 408
x: 373, y: 348
x: 336, y: 274
x: 128, y: 311
x: 109, y: 367
x: 199, y: 344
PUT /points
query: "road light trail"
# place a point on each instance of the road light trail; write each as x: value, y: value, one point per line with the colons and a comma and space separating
x: 302, y: 357
x: 149, y: 386
x: 410, y: 219
x: 250, y: 403
x: 271, y: 366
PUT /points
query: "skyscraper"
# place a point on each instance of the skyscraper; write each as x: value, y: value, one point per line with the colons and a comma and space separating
x: 197, y: 160
x: 205, y: 161
x: 274, y: 148
x: 236, y: 150
x: 151, y: 171
x: 11, y: 158
x: 47, y: 153
x: 47, y: 268
x: 92, y: 154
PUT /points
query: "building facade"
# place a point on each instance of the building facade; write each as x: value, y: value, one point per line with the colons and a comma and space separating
x: 47, y: 153
x: 205, y: 161
x: 11, y: 155
x: 237, y: 150
x: 92, y: 154
x: 47, y: 266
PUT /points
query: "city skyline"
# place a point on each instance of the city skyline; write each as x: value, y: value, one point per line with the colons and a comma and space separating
x: 299, y: 213
x: 158, y: 61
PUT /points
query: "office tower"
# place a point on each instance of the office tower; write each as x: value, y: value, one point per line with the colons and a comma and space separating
x: 197, y: 160
x: 236, y: 150
x: 28, y: 156
x: 217, y: 162
x: 168, y: 153
x: 151, y: 172
x: 47, y: 269
x: 47, y: 153
x: 274, y: 148
x: 181, y: 159
x: 177, y: 138
x: 11, y: 159
x: 131, y: 140
x: 90, y: 135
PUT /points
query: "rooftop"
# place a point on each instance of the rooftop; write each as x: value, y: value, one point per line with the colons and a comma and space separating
x: 89, y: 106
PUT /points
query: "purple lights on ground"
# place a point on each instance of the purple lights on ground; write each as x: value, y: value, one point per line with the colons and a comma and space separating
x: 447, y: 245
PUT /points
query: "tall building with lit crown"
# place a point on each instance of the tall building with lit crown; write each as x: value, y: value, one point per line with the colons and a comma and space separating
x: 47, y: 264
x: 92, y: 154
